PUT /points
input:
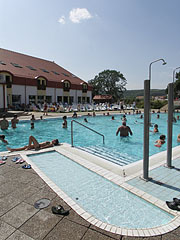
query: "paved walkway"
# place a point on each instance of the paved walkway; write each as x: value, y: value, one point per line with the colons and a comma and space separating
x: 20, y: 188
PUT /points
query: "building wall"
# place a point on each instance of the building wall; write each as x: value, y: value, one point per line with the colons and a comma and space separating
x: 26, y: 91
x: 2, y: 98
x: 19, y: 90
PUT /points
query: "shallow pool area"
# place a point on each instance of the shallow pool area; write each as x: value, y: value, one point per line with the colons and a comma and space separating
x: 121, y: 151
x: 101, y: 198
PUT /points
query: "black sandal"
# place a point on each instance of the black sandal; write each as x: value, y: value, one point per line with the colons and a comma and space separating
x: 177, y: 201
x: 60, y: 210
x: 173, y: 206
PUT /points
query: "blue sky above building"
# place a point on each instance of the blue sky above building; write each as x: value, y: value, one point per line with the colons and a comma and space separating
x: 87, y: 37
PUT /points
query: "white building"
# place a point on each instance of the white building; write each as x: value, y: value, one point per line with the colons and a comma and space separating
x: 25, y: 79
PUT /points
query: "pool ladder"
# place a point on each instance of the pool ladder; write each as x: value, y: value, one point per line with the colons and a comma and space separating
x: 85, y: 127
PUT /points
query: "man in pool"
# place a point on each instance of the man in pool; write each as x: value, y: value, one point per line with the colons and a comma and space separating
x: 124, y: 130
x: 33, y: 144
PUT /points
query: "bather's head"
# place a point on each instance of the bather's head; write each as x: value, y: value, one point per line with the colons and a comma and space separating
x: 55, y: 142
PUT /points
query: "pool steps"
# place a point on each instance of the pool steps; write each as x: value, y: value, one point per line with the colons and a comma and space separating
x: 109, y: 155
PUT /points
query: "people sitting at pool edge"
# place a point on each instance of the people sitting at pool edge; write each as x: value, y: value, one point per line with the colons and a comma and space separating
x: 124, y: 130
x: 33, y: 144
x: 2, y: 138
x: 160, y: 141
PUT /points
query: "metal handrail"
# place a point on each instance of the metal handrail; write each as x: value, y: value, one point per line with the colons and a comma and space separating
x: 85, y: 127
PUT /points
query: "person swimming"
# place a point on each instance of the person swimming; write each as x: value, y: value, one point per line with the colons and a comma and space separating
x: 155, y: 128
x: 64, y: 124
x: 2, y: 138
x: 160, y: 141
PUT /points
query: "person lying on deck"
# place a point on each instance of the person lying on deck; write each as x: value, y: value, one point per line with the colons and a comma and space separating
x: 33, y: 144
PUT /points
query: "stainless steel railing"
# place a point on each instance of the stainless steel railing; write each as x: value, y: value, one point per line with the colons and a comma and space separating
x: 85, y: 127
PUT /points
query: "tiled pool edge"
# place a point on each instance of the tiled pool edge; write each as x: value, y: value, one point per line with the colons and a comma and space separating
x: 173, y: 224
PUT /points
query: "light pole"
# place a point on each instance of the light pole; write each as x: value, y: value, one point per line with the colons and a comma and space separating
x: 161, y: 59
x: 147, y: 121
x: 173, y: 84
x: 170, y: 120
x: 174, y: 73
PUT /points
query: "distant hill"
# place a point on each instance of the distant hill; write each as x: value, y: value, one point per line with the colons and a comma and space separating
x: 140, y: 92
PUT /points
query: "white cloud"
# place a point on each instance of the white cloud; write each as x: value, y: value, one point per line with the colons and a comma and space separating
x: 62, y: 20
x: 78, y: 14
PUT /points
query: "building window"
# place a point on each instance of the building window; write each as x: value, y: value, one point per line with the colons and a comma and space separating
x: 66, y: 99
x: 55, y: 73
x: 49, y: 99
x: 41, y: 84
x: 83, y: 99
x: 40, y: 99
x: 65, y: 74
x: 71, y: 100
x: 88, y: 100
x: 44, y: 70
x: 16, y: 99
x: 59, y: 99
x: 31, y: 68
x: 84, y: 87
x: 2, y: 63
x: 66, y: 86
x: 8, y: 82
x: 2, y: 78
x: 16, y: 65
x: 79, y: 99
x: 32, y: 99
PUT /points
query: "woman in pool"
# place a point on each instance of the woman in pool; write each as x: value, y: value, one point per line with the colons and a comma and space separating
x: 33, y: 144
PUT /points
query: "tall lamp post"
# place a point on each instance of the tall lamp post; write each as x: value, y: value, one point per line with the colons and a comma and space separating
x: 147, y: 121
x: 170, y: 120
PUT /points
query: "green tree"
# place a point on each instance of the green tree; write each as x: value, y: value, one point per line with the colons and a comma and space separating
x: 109, y: 82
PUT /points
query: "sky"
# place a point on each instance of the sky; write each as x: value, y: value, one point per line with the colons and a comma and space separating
x: 87, y: 37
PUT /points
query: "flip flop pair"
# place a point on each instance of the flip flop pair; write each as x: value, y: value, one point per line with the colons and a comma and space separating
x: 60, y: 210
x: 15, y: 159
x: 20, y: 161
x: 27, y: 166
x: 174, y: 205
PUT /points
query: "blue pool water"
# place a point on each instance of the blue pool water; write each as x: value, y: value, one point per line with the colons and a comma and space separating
x: 126, y: 149
x: 98, y: 196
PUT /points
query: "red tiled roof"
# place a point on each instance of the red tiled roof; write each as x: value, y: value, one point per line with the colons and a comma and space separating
x: 23, y: 60
x: 102, y: 97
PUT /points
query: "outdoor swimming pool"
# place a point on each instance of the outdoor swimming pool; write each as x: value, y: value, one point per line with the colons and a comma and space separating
x: 101, y: 198
x: 124, y: 150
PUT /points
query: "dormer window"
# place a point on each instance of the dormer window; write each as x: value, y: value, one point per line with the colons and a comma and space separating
x: 66, y: 85
x: 84, y: 87
x: 41, y: 84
